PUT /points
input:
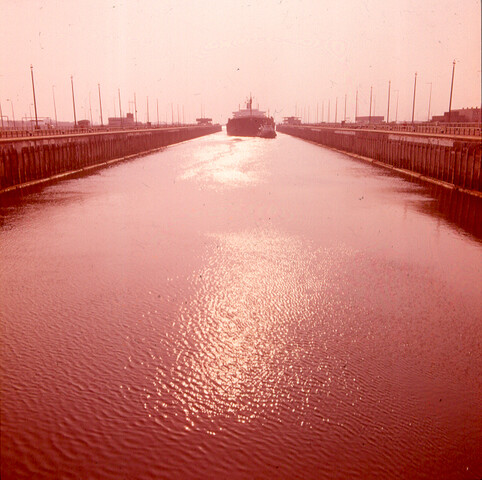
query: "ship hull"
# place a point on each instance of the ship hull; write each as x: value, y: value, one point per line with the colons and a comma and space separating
x: 246, y: 127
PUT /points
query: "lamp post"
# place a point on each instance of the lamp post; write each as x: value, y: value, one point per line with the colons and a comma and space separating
x: 429, y: 102
x: 120, y: 108
x: 1, y: 115
x: 100, y: 106
x: 451, y: 90
x: 345, y: 109
x: 356, y: 105
x: 13, y: 113
x: 396, y: 111
x: 34, y: 101
x: 135, y: 107
x: 414, y: 91
x: 55, y: 108
x: 73, y: 100
x: 388, y: 107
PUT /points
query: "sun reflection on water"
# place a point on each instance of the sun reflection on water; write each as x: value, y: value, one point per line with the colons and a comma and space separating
x: 245, y: 340
x: 229, y: 164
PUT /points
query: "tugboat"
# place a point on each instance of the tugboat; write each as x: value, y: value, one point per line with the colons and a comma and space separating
x: 267, y: 131
x: 248, y: 122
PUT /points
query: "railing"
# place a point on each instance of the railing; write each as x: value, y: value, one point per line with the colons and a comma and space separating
x: 462, y: 129
x: 47, y: 132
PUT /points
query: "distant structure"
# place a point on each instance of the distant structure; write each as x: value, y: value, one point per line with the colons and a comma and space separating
x: 83, y: 123
x: 367, y: 119
x: 462, y: 115
x: 204, y: 121
x: 127, y: 121
x: 292, y: 120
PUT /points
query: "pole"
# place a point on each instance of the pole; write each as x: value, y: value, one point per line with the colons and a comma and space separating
x: 100, y: 106
x: 120, y: 107
x: 1, y: 114
x: 370, y: 116
x: 90, y: 110
x: 356, y: 105
x: 345, y: 109
x: 396, y: 111
x: 429, y: 102
x: 328, y: 111
x: 34, y: 101
x: 148, y: 109
x: 388, y: 108
x: 451, y: 90
x: 414, y: 91
x: 322, y: 111
x: 336, y: 109
x: 135, y: 107
x: 73, y: 100
x: 55, y: 108
x: 13, y: 113
x: 172, y: 114
x: 157, y: 109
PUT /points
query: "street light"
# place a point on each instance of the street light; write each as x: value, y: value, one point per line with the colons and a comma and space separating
x: 396, y: 111
x: 73, y: 100
x: 429, y: 102
x: 414, y: 90
x: 13, y: 113
x: 100, y: 106
x: 388, y: 108
x: 451, y: 90
x: 55, y: 108
x: 34, y: 101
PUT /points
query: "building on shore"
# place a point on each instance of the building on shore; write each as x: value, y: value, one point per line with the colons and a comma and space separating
x: 127, y: 121
x: 204, y: 121
x: 367, y: 119
x: 291, y: 120
x: 462, y: 115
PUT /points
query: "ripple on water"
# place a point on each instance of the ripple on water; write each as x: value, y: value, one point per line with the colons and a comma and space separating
x: 244, y: 344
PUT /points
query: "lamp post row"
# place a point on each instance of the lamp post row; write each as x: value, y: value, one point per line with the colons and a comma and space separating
x: 157, y: 104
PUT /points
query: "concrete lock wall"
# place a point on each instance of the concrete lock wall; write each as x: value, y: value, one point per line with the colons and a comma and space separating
x: 455, y: 160
x: 28, y: 160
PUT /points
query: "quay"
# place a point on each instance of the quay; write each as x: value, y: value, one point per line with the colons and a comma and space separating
x: 27, y: 160
x: 450, y: 156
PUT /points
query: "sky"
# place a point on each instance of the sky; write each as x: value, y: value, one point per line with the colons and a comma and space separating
x: 208, y: 56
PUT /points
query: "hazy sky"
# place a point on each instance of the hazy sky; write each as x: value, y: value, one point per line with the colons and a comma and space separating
x: 288, y: 53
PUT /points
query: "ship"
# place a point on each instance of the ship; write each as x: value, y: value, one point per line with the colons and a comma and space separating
x: 248, y: 122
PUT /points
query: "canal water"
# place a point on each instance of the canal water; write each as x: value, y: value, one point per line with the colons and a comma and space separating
x: 240, y: 308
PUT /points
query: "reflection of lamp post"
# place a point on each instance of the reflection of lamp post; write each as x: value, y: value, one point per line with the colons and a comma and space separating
x: 13, y: 113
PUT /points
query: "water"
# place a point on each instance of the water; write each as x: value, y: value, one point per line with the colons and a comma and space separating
x: 240, y: 308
